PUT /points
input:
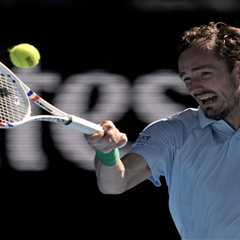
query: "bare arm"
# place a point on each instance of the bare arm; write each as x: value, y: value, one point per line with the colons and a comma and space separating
x: 125, y: 173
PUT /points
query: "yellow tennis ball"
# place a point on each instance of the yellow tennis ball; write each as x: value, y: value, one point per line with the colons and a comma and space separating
x: 24, y: 55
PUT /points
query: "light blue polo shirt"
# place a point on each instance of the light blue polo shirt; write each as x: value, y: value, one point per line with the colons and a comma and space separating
x: 200, y: 159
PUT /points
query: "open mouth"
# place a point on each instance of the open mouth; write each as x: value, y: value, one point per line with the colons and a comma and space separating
x: 207, y: 98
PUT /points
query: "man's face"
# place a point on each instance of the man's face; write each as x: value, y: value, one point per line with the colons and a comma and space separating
x: 210, y: 83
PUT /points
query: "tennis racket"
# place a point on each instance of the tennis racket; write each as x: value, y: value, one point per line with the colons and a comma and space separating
x: 15, y: 106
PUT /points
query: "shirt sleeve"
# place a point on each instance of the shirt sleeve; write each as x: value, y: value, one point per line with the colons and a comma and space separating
x: 157, y: 144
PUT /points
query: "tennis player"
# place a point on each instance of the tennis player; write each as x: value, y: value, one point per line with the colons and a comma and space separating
x: 197, y: 150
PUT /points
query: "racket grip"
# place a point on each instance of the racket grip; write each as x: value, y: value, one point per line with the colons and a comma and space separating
x: 85, y: 126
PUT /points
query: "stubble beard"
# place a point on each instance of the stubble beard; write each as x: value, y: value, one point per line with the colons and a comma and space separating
x: 226, y: 110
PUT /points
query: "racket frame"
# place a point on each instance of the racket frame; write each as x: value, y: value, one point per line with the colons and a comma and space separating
x: 57, y: 115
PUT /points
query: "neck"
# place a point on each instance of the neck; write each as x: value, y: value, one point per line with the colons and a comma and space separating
x: 233, y: 119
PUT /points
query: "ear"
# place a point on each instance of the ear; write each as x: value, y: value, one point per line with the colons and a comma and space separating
x: 236, y: 71
x: 236, y: 74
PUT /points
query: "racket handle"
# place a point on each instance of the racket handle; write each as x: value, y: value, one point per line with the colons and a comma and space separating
x: 83, y: 125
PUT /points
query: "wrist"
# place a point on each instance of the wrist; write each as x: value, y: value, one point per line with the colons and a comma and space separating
x: 110, y: 158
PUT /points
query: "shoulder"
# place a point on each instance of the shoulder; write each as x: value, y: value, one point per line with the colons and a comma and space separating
x: 189, y: 118
x: 186, y: 119
x: 173, y: 130
x: 189, y: 114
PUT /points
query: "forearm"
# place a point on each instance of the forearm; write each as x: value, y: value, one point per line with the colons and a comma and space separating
x: 128, y: 172
x: 111, y: 179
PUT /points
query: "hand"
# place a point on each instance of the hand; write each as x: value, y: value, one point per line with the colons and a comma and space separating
x: 107, y: 140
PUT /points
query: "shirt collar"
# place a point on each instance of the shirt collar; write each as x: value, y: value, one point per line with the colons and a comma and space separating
x: 203, y: 120
x: 217, y: 124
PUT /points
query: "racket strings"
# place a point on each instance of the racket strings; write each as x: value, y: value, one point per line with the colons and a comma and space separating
x: 13, y: 106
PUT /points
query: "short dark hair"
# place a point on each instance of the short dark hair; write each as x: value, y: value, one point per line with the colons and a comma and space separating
x: 223, y: 39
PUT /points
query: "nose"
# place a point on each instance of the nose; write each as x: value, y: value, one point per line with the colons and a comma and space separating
x: 195, y: 85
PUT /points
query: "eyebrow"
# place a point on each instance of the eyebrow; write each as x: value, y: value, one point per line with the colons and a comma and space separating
x: 199, y: 68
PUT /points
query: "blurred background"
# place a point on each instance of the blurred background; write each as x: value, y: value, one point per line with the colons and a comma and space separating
x: 99, y: 60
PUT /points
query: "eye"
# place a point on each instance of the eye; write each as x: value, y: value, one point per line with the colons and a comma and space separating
x: 206, y: 75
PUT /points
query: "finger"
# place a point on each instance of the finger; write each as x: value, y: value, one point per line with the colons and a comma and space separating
x: 123, y: 140
x: 104, y: 142
x: 116, y: 142
x: 106, y: 124
x: 93, y: 138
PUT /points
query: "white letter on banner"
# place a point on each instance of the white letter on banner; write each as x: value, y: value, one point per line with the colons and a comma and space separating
x: 150, y: 101
x: 74, y: 97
